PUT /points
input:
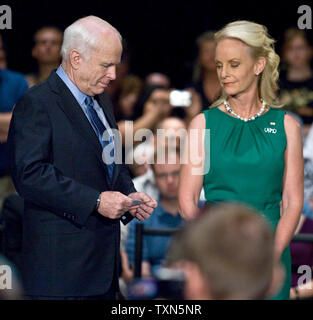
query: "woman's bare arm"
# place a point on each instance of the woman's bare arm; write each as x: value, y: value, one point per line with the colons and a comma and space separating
x: 292, y: 201
x: 191, y: 173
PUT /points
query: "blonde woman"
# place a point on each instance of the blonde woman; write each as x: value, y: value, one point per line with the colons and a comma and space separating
x: 253, y: 150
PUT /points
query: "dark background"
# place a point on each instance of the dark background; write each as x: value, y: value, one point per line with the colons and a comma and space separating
x: 160, y: 34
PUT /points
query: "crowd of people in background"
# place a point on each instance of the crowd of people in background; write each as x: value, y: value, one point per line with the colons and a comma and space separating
x: 146, y: 102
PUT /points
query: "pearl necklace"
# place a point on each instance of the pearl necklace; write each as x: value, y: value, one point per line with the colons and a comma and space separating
x: 245, y: 119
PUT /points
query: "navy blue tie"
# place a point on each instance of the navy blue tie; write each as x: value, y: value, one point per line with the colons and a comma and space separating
x: 99, y: 126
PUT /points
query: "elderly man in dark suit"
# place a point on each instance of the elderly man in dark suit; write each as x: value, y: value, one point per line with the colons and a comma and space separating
x: 75, y: 195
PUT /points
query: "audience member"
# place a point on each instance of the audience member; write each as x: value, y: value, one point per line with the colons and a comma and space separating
x: 221, y: 257
x: 12, y: 87
x: 130, y: 90
x: 169, y: 133
x: 3, y: 59
x: 158, y: 79
x: 47, y: 52
x: 144, y: 179
x: 296, y: 78
x: 308, y: 186
x: 152, y: 106
x: 3, y: 55
x: 165, y: 215
x: 205, y: 80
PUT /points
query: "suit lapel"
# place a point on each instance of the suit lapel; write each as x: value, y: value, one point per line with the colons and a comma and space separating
x: 74, y: 112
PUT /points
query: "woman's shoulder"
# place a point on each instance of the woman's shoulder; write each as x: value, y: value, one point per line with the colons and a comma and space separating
x: 289, y: 120
x: 209, y: 110
x: 198, y: 121
x: 212, y: 116
x: 202, y: 117
x: 291, y: 124
x: 277, y: 114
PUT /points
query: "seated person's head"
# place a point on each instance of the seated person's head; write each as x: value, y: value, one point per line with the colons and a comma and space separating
x: 226, y: 254
x: 157, y: 78
x: 170, y: 133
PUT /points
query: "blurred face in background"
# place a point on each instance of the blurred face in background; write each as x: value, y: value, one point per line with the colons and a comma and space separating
x: 172, y: 133
x: 47, y: 49
x: 207, y: 56
x: 131, y: 87
x: 127, y: 103
x: 167, y: 177
x: 158, y: 79
x: 297, y: 53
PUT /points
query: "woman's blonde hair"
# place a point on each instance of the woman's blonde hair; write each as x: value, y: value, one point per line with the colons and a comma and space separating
x: 262, y: 45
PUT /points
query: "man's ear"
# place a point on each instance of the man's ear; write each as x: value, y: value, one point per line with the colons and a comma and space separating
x: 75, y: 59
x: 259, y: 65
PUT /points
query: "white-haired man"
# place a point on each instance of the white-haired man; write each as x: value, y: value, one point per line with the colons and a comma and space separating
x: 74, y: 194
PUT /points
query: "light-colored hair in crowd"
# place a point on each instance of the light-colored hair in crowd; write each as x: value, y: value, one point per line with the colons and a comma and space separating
x: 262, y: 45
x: 82, y: 37
x: 233, y: 247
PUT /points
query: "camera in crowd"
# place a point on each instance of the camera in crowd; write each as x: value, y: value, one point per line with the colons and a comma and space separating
x: 180, y: 98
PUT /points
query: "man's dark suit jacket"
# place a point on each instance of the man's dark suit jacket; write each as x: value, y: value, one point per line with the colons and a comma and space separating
x: 57, y: 167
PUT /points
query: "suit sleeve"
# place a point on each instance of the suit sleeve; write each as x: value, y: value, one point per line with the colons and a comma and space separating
x: 126, y: 185
x: 34, y: 176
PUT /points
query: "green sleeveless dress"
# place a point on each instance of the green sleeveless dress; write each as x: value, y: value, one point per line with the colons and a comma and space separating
x: 245, y: 163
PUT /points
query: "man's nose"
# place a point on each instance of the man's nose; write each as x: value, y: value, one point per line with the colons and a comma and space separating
x: 112, y: 72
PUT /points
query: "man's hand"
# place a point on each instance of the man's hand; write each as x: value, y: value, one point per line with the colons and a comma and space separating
x: 144, y: 210
x: 114, y: 204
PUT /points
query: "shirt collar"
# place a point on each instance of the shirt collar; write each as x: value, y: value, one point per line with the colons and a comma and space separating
x: 79, y: 96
